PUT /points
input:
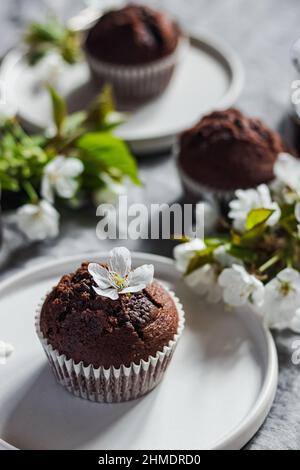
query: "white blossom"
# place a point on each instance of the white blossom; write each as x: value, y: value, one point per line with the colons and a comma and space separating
x: 282, y: 299
x: 287, y: 172
x: 7, y: 109
x: 60, y: 176
x: 204, y: 282
x: 117, y: 277
x: 6, y: 350
x: 240, y: 287
x: 110, y: 192
x: 246, y: 200
x: 184, y: 252
x: 38, y: 221
x: 50, y: 69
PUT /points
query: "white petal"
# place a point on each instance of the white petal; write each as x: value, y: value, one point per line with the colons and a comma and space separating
x: 184, y: 252
x: 48, y: 210
x: 259, y: 294
x: 288, y: 275
x: 38, y: 222
x: 100, y: 275
x: 142, y: 275
x: 136, y: 288
x: 49, y: 219
x: 201, y: 280
x: 72, y: 167
x: 46, y: 189
x: 287, y: 170
x: 111, y: 293
x: 120, y: 261
x: 297, y: 211
x: 66, y: 187
x: 53, y: 167
x: 233, y: 297
x: 295, y: 322
x: 6, y: 349
x: 227, y: 277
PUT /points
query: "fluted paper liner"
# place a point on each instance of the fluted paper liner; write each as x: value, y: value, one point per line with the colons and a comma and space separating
x: 137, y: 82
x: 110, y: 385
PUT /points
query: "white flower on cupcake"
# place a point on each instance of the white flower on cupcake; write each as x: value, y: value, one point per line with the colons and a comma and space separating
x: 60, y: 177
x: 240, y: 287
x: 204, y: 282
x: 184, y: 252
x: 38, y: 221
x: 282, y: 299
x: 246, y: 200
x: 117, y: 277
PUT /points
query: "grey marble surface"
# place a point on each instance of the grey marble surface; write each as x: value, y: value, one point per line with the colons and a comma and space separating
x: 261, y: 32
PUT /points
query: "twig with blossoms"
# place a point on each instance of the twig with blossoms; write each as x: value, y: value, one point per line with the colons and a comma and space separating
x: 257, y: 261
x: 81, y: 160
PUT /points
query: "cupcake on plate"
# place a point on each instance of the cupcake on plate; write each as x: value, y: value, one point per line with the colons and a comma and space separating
x: 135, y: 49
x: 109, y: 332
x: 225, y: 151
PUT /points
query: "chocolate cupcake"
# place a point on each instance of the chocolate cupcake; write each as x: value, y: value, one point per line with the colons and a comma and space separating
x: 226, y: 151
x: 109, y: 332
x: 135, y: 49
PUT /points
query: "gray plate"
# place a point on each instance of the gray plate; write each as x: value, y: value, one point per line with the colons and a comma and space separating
x: 209, y: 76
x: 215, y: 395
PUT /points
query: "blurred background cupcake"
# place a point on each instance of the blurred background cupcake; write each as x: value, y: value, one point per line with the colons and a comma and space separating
x: 225, y: 151
x: 136, y: 49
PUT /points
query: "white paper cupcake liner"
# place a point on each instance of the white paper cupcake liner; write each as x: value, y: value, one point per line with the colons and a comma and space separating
x: 201, y: 191
x: 137, y: 82
x: 110, y: 385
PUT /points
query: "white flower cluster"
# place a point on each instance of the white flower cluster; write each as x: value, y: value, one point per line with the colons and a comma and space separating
x: 40, y: 220
x: 278, y: 302
x: 226, y: 278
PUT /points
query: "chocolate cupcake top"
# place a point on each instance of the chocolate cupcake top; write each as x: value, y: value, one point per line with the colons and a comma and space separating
x: 98, y: 330
x: 227, y: 150
x: 132, y: 35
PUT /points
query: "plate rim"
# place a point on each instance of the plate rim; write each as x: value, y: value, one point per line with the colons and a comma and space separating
x: 223, y: 52
x: 251, y: 423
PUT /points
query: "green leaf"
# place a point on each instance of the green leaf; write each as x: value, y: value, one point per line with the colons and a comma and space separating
x: 9, y: 183
x: 241, y: 252
x: 73, y: 122
x: 216, y: 241
x: 43, y: 38
x: 102, y: 151
x: 59, y: 109
x: 257, y: 217
x: 201, y: 258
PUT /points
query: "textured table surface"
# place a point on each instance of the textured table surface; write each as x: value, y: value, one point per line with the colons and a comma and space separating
x: 261, y: 33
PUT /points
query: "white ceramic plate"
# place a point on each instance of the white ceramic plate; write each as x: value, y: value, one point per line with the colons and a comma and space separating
x: 209, y: 76
x: 215, y: 395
